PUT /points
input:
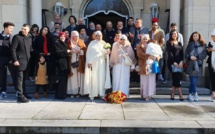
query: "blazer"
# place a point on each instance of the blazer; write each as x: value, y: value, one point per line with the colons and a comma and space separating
x: 21, y: 49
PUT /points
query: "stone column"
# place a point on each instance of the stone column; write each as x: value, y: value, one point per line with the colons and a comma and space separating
x: 175, y: 12
x: 36, y: 12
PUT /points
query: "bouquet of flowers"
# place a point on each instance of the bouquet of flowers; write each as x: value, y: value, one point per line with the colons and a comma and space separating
x: 115, y: 97
x: 107, y: 46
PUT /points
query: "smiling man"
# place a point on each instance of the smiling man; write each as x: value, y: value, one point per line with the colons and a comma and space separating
x: 20, y: 51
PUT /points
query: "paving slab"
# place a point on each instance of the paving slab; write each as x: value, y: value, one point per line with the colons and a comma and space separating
x: 146, y: 115
x: 102, y: 111
x: 21, y: 111
x: 185, y: 112
x: 60, y: 110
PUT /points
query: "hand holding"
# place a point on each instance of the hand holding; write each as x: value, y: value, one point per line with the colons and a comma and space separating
x: 16, y: 63
x: 193, y: 58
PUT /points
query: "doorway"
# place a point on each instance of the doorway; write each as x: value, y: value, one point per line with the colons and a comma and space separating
x: 102, y: 18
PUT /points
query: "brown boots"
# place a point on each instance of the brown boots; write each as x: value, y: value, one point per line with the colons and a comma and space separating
x: 36, y: 95
x: 45, y: 95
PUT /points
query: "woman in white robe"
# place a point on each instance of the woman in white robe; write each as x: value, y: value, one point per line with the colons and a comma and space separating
x: 121, y: 72
x: 97, y: 74
x: 75, y: 84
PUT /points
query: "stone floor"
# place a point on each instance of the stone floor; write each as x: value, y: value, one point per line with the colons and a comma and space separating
x: 80, y: 115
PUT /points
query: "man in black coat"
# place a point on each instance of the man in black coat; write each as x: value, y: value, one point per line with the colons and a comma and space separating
x: 20, y: 50
x: 5, y: 57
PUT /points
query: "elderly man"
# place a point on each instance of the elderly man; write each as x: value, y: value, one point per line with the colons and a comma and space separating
x: 109, y: 33
x: 97, y: 75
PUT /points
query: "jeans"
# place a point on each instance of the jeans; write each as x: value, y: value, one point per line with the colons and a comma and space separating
x: 193, y: 82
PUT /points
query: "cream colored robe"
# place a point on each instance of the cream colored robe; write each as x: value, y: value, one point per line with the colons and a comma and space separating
x: 97, y: 78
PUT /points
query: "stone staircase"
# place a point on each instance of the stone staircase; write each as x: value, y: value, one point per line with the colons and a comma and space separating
x: 161, y: 88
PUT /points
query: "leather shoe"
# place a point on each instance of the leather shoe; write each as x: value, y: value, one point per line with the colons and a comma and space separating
x: 22, y: 100
x: 27, y: 96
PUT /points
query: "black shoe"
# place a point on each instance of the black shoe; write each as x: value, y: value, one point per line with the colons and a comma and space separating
x: 22, y: 100
x: 27, y: 96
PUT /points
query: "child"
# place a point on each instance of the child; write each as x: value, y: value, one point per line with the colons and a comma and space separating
x: 41, y: 77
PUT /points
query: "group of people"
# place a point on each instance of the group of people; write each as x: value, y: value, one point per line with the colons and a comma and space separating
x: 78, y: 61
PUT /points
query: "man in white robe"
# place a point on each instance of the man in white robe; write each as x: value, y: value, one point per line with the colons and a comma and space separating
x: 97, y: 74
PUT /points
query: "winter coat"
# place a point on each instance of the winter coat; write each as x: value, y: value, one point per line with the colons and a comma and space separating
x: 192, y: 66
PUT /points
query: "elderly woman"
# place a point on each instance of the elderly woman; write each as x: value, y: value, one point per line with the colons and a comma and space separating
x: 147, y: 79
x: 97, y: 73
x: 61, y: 54
x: 211, y: 64
x: 77, y: 61
x: 121, y: 72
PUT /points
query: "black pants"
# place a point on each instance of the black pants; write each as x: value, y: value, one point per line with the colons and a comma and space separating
x: 20, y: 82
x: 212, y: 78
x: 60, y: 87
x: 3, y: 76
x: 44, y: 87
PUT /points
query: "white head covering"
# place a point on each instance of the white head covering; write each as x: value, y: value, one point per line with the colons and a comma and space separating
x: 145, y: 36
x: 73, y: 34
x: 123, y: 37
x: 98, y: 33
x: 213, y: 32
x: 213, y: 53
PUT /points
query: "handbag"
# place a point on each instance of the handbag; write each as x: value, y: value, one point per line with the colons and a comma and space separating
x: 155, y: 67
x: 128, y: 61
x: 176, y: 69
x: 76, y: 63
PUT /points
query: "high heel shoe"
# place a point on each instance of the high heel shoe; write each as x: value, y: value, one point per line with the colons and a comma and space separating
x: 172, y: 96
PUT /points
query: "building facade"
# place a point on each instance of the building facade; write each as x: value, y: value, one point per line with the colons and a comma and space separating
x: 190, y: 15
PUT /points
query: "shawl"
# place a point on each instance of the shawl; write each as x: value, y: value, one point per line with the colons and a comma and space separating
x: 116, y: 54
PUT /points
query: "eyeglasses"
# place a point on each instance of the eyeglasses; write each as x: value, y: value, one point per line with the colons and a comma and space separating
x: 122, y: 39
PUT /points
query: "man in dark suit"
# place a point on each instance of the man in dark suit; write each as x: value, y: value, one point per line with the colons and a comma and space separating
x: 20, y: 50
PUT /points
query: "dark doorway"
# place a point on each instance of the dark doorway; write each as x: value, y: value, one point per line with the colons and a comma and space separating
x: 102, y: 18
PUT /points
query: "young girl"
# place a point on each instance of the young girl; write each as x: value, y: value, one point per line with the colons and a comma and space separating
x: 41, y: 77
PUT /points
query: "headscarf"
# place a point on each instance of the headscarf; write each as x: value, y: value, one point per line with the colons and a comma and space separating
x: 213, y: 53
x: 73, y: 34
x: 61, y: 34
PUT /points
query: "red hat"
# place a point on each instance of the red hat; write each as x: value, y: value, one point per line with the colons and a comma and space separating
x: 61, y: 34
x: 154, y: 20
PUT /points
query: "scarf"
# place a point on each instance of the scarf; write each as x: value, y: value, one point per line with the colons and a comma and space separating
x: 213, y: 55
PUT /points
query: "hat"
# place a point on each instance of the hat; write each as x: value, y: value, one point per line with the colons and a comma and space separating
x: 154, y: 20
x: 61, y: 34
x: 213, y: 33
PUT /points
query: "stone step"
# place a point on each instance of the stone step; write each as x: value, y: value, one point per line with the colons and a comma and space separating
x: 133, y: 90
x: 167, y: 90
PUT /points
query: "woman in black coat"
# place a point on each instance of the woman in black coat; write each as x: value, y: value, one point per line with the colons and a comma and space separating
x: 175, y: 58
x: 61, y: 65
x: 43, y: 44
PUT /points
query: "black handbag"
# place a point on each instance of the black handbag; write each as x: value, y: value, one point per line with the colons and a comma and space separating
x: 76, y: 63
